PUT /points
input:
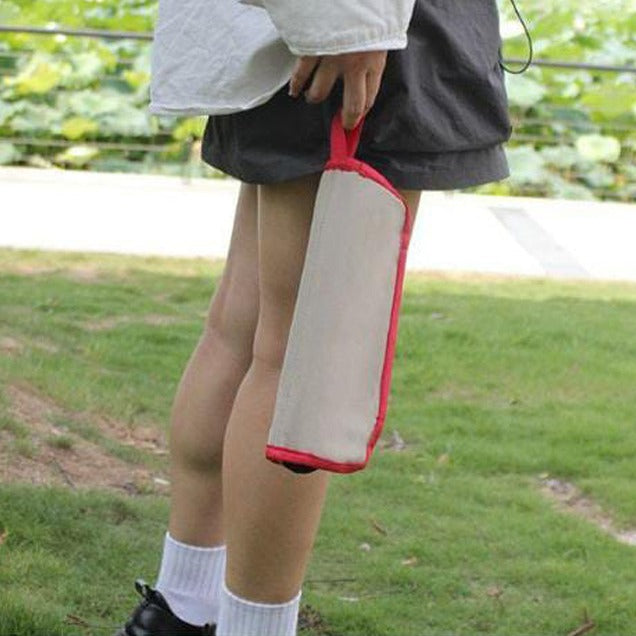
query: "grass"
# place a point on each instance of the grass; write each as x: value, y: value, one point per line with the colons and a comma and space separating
x: 497, y: 383
x: 60, y: 441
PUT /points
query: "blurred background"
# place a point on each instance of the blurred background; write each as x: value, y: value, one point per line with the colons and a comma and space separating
x: 74, y: 81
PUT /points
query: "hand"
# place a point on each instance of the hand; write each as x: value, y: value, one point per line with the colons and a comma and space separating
x: 361, y: 73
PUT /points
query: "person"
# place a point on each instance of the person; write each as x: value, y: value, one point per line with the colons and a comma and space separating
x: 427, y: 77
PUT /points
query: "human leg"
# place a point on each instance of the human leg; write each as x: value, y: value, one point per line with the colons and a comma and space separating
x: 208, y: 386
x: 193, y: 560
x: 192, y: 564
x: 271, y: 515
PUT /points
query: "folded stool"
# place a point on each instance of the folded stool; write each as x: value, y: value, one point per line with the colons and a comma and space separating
x: 335, y: 380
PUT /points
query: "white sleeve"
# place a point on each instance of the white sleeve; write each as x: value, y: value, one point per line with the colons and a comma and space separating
x: 324, y: 27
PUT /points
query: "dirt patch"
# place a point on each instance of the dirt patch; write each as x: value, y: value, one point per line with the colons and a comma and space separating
x: 570, y: 499
x: 52, y: 455
x: 147, y: 438
x: 32, y: 270
x: 114, y: 321
x: 310, y: 618
x: 393, y: 443
x: 49, y: 347
x: 83, y: 274
x: 77, y: 273
x: 10, y: 346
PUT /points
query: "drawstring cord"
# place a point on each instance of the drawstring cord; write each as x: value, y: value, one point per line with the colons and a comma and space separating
x: 528, y: 37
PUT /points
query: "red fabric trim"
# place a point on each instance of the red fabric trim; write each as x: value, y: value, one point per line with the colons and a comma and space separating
x: 344, y: 143
x: 279, y: 454
x: 387, y: 370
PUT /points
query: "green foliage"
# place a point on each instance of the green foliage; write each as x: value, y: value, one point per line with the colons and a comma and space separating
x: 524, y: 92
x: 599, y: 148
x: 39, y: 76
x: 76, y: 127
x: 574, y: 130
x: 8, y: 154
x: 189, y: 129
x: 72, y: 88
x: 77, y: 156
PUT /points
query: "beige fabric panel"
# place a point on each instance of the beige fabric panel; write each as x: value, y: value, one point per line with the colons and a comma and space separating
x: 329, y: 391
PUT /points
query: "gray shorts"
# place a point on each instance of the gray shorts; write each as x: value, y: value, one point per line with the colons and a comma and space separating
x: 438, y: 123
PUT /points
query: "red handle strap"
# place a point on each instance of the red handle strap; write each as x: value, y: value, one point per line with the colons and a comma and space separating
x: 344, y: 143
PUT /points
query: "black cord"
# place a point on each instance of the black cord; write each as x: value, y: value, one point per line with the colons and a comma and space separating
x: 528, y: 37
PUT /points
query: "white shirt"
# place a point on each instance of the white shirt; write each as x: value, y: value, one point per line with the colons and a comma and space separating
x: 212, y: 57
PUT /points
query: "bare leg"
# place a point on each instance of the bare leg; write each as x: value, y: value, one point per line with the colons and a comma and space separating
x: 271, y: 515
x: 208, y: 386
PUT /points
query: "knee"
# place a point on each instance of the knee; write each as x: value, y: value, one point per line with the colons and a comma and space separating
x: 235, y: 336
x: 232, y: 317
x: 194, y: 449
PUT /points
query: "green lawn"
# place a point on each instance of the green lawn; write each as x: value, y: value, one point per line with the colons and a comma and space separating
x: 498, y: 384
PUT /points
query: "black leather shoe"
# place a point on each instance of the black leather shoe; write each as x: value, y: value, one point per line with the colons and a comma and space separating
x: 153, y: 617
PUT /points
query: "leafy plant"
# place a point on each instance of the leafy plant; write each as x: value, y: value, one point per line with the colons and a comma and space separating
x: 575, y: 130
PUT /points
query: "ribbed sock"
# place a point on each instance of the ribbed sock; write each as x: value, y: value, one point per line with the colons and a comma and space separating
x: 190, y: 579
x: 240, y: 617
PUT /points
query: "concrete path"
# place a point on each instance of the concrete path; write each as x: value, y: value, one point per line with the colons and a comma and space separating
x: 143, y: 214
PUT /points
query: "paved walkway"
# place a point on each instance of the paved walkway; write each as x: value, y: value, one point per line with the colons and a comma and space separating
x: 143, y: 214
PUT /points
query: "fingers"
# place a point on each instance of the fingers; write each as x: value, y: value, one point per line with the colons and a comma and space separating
x: 362, y: 75
x: 373, y: 80
x: 322, y: 83
x: 354, y: 98
x: 301, y: 72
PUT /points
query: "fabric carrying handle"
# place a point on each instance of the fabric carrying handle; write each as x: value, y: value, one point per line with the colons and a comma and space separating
x: 344, y: 143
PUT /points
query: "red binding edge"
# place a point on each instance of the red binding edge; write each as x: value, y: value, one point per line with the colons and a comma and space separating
x: 343, y: 147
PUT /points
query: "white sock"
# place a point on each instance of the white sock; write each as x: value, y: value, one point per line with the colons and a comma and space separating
x: 190, y: 579
x: 240, y: 617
